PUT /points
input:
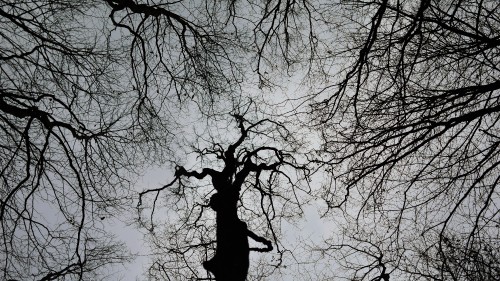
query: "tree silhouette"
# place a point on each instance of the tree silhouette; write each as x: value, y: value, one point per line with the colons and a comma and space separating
x: 246, y: 170
x: 60, y: 131
x: 90, y: 93
x: 411, y: 131
x: 94, y: 91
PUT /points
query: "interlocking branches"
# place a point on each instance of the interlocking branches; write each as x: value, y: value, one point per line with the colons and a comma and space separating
x: 249, y: 174
x: 411, y: 132
x: 178, y: 52
x: 61, y: 137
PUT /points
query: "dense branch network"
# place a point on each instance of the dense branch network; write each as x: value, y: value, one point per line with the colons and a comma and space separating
x: 231, y: 259
x: 411, y: 132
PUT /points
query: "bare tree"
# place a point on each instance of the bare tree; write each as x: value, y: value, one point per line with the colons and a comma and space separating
x: 257, y: 185
x: 74, y: 125
x: 61, y: 128
x: 91, y: 91
x: 411, y: 136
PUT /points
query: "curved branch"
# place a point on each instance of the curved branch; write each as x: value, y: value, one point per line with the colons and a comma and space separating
x: 255, y: 237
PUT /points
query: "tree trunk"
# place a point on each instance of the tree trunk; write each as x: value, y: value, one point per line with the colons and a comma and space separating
x: 231, y: 258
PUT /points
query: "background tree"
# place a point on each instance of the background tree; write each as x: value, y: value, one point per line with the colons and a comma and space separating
x: 62, y: 127
x: 412, y: 138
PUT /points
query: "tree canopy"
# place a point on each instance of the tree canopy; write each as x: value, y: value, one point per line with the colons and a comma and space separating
x: 411, y: 133
x: 381, y: 115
